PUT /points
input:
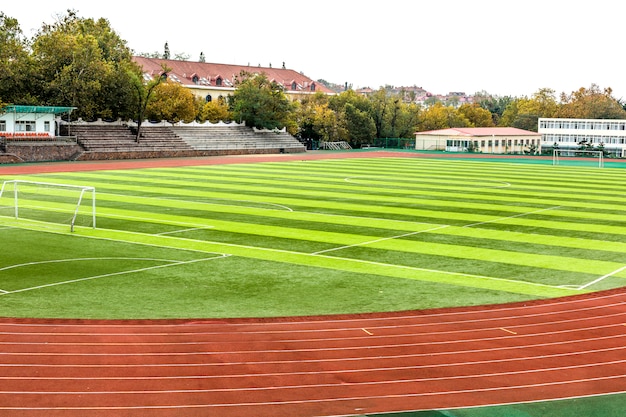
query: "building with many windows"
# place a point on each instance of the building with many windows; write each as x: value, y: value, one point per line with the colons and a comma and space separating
x: 606, y: 134
x: 502, y: 140
x: 212, y: 81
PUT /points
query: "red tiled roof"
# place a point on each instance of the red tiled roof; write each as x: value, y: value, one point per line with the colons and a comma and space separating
x: 479, y: 131
x: 185, y: 70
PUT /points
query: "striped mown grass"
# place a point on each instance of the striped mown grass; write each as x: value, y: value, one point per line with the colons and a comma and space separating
x: 319, y: 237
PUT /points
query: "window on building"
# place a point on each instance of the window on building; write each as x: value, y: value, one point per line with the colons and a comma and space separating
x: 218, y: 81
x: 3, y: 126
x: 46, y: 126
x: 195, y: 79
x: 208, y: 98
x: 497, y: 142
x: 312, y: 86
x: 294, y: 85
x: 25, y: 126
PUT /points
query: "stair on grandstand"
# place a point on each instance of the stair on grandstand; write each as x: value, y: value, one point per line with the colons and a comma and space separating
x: 237, y: 137
x: 120, y: 138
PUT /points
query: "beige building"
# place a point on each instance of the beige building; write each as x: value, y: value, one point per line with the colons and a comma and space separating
x: 501, y: 140
x: 214, y: 81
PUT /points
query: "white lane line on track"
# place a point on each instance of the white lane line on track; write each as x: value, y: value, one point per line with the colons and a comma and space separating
x: 313, y: 372
x: 558, y: 304
x: 338, y: 399
x: 326, y: 385
x: 370, y: 347
x: 89, y: 329
x: 316, y: 331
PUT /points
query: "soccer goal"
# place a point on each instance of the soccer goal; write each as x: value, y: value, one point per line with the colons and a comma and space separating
x: 73, y: 205
x: 578, y: 157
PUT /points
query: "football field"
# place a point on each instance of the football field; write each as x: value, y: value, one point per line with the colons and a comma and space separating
x: 309, y: 237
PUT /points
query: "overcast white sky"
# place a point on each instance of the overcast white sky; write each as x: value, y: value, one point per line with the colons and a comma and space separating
x: 503, y: 47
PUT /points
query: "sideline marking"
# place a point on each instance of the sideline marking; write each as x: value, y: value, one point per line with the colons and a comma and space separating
x: 370, y: 333
x: 610, y: 274
x: 507, y: 330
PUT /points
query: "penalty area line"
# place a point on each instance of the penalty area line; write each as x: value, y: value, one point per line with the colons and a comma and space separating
x: 72, y: 281
x: 602, y: 278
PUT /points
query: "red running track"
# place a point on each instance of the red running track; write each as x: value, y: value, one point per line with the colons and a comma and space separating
x: 321, y: 366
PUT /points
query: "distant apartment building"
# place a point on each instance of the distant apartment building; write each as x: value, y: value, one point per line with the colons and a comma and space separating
x: 607, y: 134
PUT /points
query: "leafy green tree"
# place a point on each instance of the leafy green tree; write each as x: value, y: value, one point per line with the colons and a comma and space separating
x: 360, y: 126
x: 84, y: 63
x: 259, y: 102
x: 591, y: 103
x: 16, y: 72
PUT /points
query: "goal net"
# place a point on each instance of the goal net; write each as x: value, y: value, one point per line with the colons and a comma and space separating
x: 73, y: 205
x: 576, y: 157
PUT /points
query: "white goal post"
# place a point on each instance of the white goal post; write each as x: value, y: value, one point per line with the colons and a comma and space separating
x: 49, y: 202
x: 557, y: 154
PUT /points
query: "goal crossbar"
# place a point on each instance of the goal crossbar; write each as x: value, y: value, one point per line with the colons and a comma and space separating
x: 81, y: 189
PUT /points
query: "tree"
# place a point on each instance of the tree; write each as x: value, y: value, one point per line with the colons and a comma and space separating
x: 439, y: 116
x: 476, y: 115
x: 172, y: 102
x: 16, y: 75
x: 214, y: 111
x: 143, y: 93
x: 496, y: 105
x: 259, y: 102
x: 524, y: 113
x: 83, y: 63
x: 591, y: 103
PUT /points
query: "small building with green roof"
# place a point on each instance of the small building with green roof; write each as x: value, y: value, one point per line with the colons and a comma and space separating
x: 31, y: 122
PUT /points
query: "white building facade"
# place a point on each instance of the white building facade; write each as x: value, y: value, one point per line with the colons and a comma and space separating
x: 30, y: 122
x: 607, y: 134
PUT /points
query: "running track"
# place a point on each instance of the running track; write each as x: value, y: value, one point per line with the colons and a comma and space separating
x: 315, y: 366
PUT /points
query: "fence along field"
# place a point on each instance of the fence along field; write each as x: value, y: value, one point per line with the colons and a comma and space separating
x: 318, y: 237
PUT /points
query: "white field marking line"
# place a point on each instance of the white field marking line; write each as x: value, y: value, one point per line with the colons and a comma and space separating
x: 285, y: 208
x: 414, y: 268
x: 329, y: 385
x: 342, y: 348
x: 191, y: 229
x: 355, y: 260
x: 380, y: 240
x: 316, y: 331
x: 204, y: 376
x: 610, y: 274
x: 354, y: 180
x: 114, y: 274
x: 326, y: 400
x: 512, y: 217
x: 85, y: 259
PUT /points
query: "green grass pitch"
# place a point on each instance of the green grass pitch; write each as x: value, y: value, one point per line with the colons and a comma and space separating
x: 315, y: 237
